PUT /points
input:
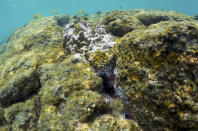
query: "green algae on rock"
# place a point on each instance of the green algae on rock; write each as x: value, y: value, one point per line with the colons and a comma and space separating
x: 22, y: 55
x: 114, y: 124
x: 19, y: 79
x: 157, y: 68
x: 29, y: 47
x: 62, y: 79
x: 22, y: 115
x: 141, y: 76
x: 148, y: 17
x: 44, y: 88
x: 119, y: 23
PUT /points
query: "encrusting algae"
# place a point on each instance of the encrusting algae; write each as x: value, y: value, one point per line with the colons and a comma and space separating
x: 122, y: 70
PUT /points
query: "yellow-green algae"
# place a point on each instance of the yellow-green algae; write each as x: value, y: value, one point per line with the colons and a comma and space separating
x: 50, y: 90
x: 26, y: 49
x: 119, y: 23
x: 157, y: 69
x: 70, y: 75
x: 73, y: 97
x: 22, y: 115
x: 149, y: 16
x: 29, y: 47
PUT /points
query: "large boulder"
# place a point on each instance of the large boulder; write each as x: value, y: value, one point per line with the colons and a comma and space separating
x: 120, y: 23
x: 149, y: 17
x: 44, y: 87
x: 28, y: 47
x: 125, y: 70
x: 157, y: 69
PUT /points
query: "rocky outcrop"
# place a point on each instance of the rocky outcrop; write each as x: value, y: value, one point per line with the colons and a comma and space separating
x: 23, y: 53
x: 120, y: 23
x: 157, y: 68
x: 30, y: 46
x: 149, y: 17
x: 125, y: 70
x: 44, y: 87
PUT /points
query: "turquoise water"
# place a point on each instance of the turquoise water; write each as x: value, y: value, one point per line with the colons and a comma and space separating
x: 15, y: 13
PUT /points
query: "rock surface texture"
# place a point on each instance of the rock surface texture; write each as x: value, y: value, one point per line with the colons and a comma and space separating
x: 125, y: 70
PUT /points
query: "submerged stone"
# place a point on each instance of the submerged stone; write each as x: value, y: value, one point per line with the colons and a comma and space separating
x: 124, y: 70
x: 149, y: 17
x: 157, y: 68
x: 19, y: 79
x: 120, y: 23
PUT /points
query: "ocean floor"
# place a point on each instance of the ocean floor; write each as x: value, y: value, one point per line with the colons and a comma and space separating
x: 112, y: 71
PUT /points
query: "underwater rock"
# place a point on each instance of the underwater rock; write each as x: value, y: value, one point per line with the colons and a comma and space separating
x: 72, y: 74
x: 91, y: 43
x: 79, y: 107
x: 157, y: 69
x: 73, y: 97
x: 148, y: 17
x: 44, y: 88
x: 2, y: 118
x: 28, y: 47
x: 120, y: 23
x: 142, y: 76
x: 18, y: 79
x: 113, y: 124
x: 22, y: 115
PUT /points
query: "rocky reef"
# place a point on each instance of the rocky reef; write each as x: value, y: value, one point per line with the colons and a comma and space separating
x: 125, y: 70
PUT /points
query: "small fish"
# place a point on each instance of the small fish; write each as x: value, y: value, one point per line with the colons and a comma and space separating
x: 196, y: 17
x: 99, y: 12
x: 80, y: 11
x: 55, y: 12
x: 117, y: 9
x: 37, y: 16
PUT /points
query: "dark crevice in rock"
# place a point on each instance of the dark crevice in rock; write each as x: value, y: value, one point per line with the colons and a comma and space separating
x: 108, y: 76
x: 112, y: 90
x: 149, y: 20
x: 97, y: 113
x: 37, y: 105
x: 60, y: 107
x: 107, y: 86
x: 129, y: 114
x: 2, y: 118
x: 19, y: 98
x: 33, y: 93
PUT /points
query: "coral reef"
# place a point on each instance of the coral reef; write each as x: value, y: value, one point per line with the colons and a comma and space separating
x: 87, y: 41
x: 123, y: 70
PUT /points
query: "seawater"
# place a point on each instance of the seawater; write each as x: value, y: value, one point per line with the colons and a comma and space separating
x: 15, y: 13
